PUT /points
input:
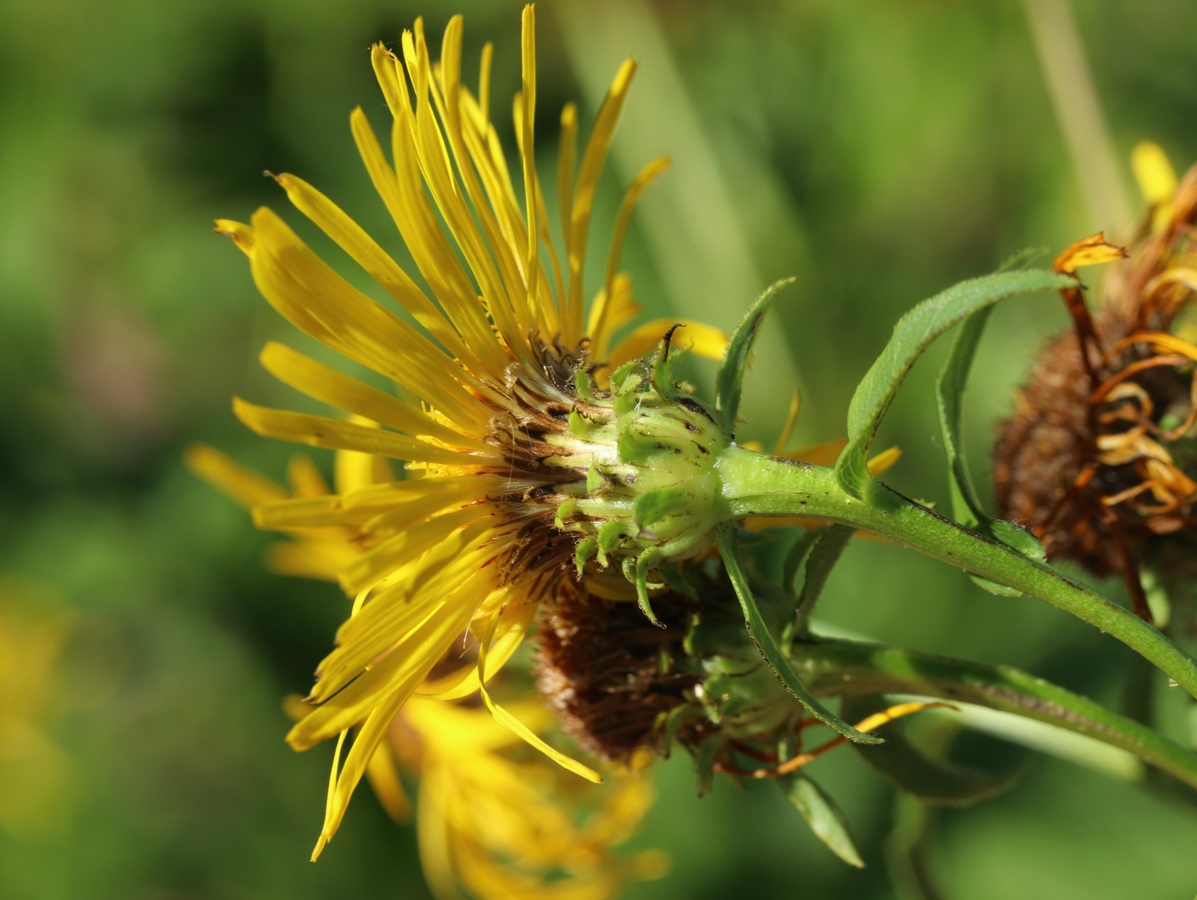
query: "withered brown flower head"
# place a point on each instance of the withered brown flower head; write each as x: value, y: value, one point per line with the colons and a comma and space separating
x: 1096, y: 460
x: 607, y: 672
x: 620, y: 685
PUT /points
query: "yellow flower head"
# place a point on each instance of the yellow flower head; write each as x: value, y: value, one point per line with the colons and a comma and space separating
x: 492, y: 364
x: 499, y: 821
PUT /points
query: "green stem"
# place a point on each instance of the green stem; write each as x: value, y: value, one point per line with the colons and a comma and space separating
x: 848, y: 667
x: 755, y: 484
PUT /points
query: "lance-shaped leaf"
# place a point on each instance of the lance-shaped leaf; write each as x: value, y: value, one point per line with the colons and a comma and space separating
x: 823, y: 815
x: 949, y: 395
x: 822, y: 559
x: 804, y: 542
x: 966, y: 507
x: 913, y: 333
x: 730, y: 380
x: 907, y: 768
x: 765, y: 642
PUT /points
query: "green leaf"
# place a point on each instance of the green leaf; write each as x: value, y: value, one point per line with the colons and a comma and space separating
x: 936, y: 781
x: 908, y: 848
x: 760, y: 635
x: 1020, y: 259
x: 949, y: 394
x: 823, y: 815
x: 730, y: 379
x: 913, y: 333
x: 796, y: 556
x: 966, y: 506
x: 823, y: 556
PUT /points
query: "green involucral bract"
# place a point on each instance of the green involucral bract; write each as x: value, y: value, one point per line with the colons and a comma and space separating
x: 647, y: 490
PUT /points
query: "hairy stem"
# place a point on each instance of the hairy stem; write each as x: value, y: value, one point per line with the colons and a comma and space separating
x: 755, y: 484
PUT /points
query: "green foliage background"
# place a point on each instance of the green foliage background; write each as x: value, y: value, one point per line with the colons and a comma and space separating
x: 878, y: 151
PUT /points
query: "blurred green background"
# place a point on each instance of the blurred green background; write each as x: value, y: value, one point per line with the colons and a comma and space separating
x: 878, y: 151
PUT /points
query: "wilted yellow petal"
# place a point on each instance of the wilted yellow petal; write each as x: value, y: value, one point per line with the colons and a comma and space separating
x: 1089, y: 251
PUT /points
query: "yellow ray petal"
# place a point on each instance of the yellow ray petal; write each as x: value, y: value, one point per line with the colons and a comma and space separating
x: 316, y: 299
x: 788, y: 428
x: 512, y: 626
x: 307, y: 512
x: 305, y: 479
x: 381, y: 497
x: 445, y: 577
x: 567, y: 154
x: 345, y: 778
x: 320, y: 431
x: 506, y: 719
x: 577, y: 227
x: 399, y: 518
x: 384, y: 779
x: 354, y: 240
x: 702, y: 340
x: 406, y: 546
x: 599, y: 324
x: 402, y: 192
x: 619, y: 308
x: 395, y: 675
x: 310, y: 559
x: 510, y: 317
x: 239, y: 483
x: 342, y: 392
x: 353, y: 471
x: 884, y: 460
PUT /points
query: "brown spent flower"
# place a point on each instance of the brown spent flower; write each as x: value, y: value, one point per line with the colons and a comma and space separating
x: 599, y: 669
x: 1092, y: 461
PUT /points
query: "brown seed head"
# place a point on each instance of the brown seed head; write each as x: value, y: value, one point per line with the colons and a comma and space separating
x: 1096, y: 459
x: 606, y: 671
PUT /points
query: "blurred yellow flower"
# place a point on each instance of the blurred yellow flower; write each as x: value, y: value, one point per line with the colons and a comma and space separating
x: 499, y: 821
x: 34, y: 772
x: 469, y: 542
